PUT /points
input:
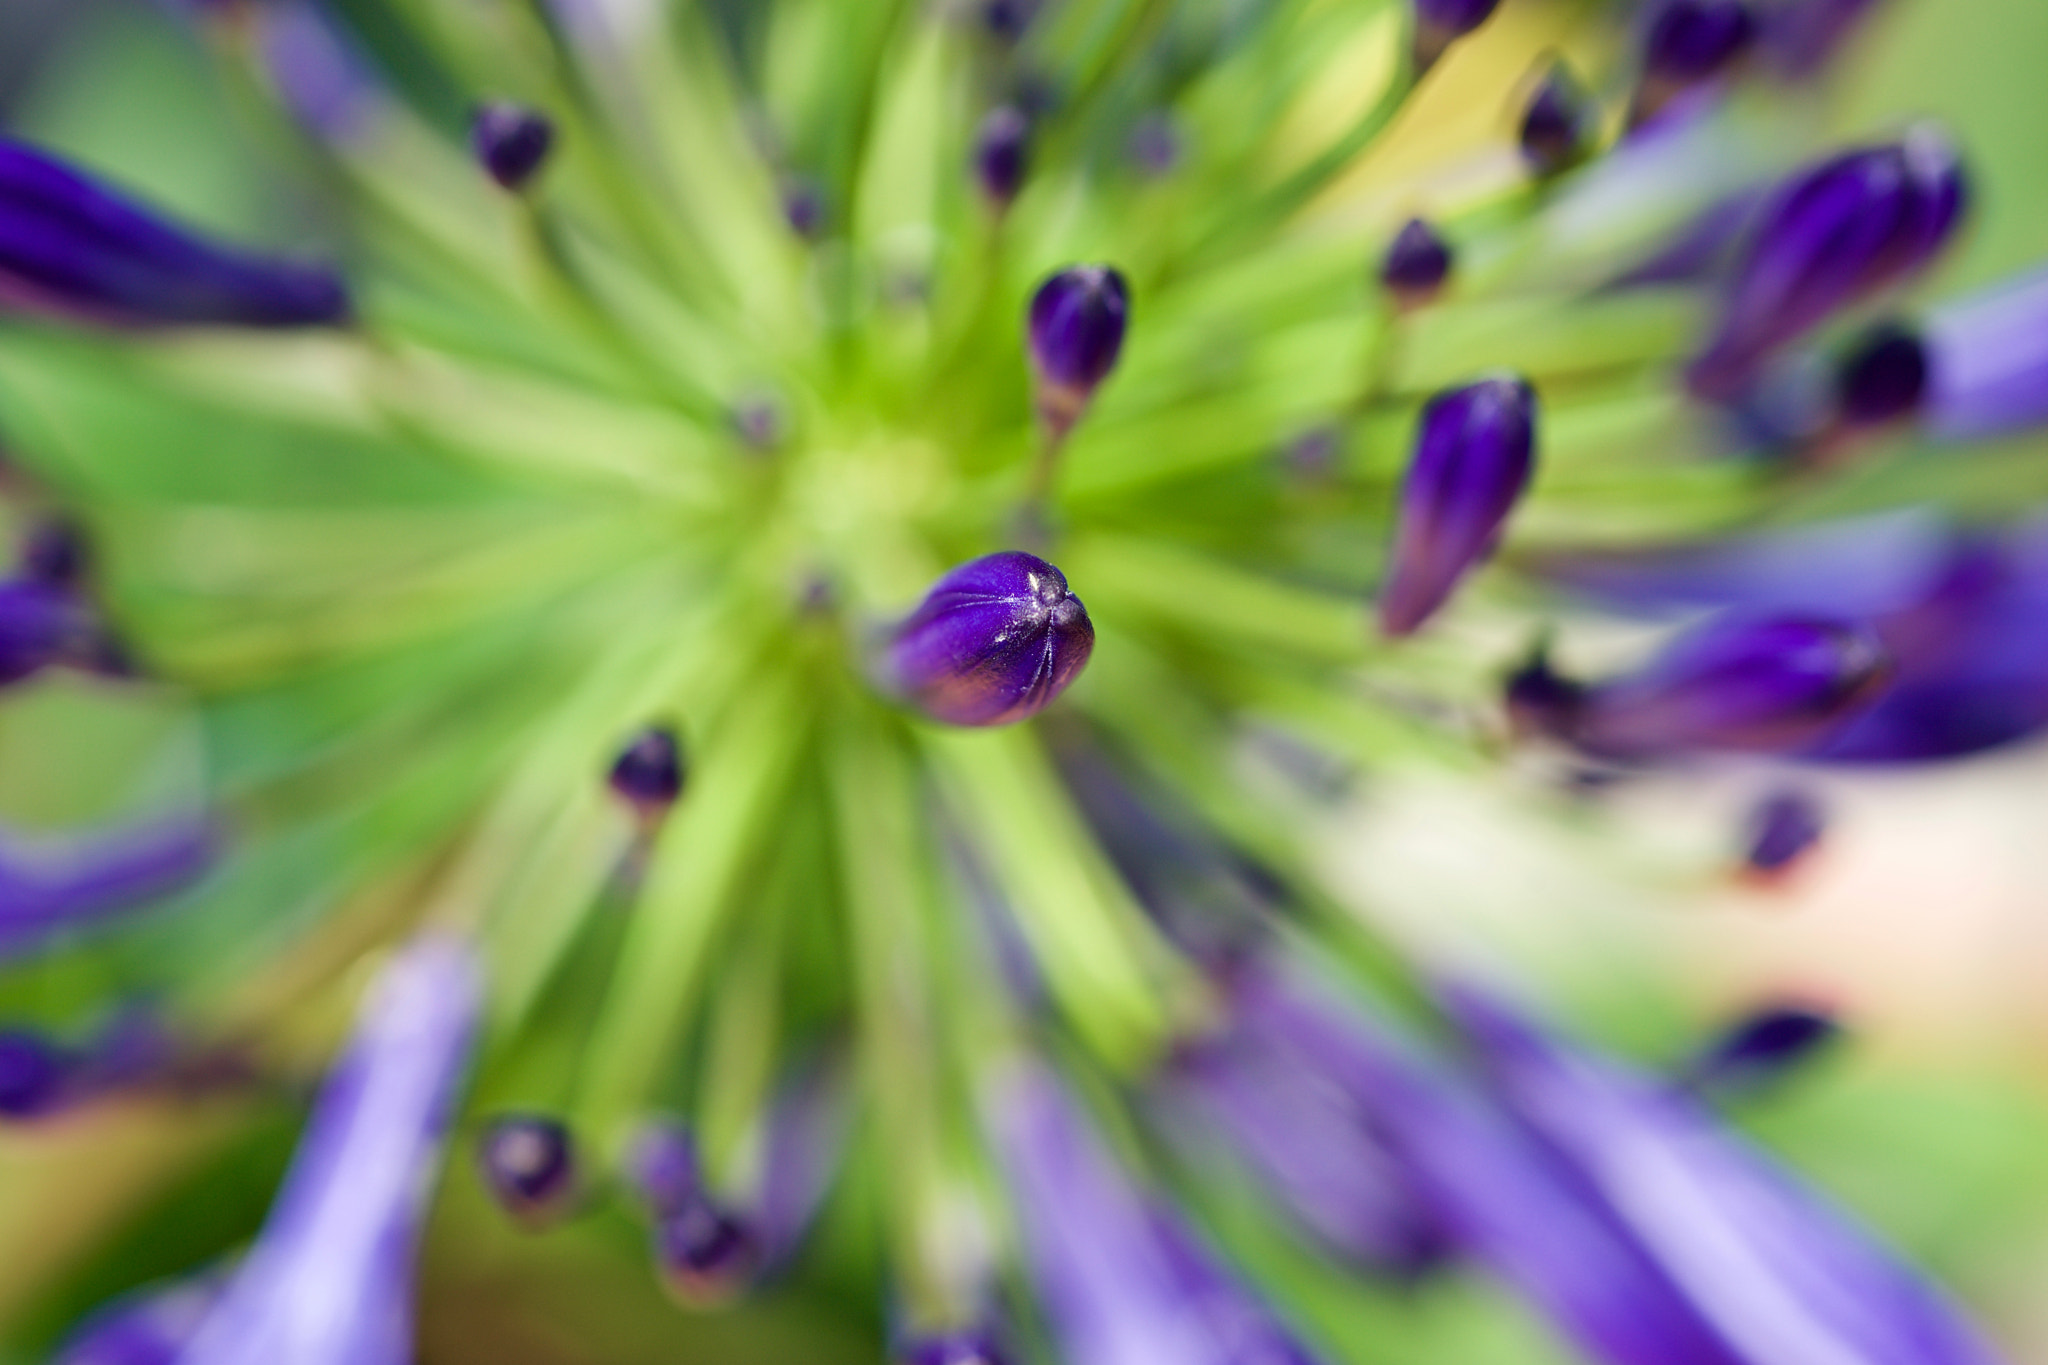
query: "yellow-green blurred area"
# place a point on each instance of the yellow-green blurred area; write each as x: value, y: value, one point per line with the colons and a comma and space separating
x: 1925, y: 919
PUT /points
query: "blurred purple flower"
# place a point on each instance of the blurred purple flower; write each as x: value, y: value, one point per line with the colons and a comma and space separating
x: 147, y: 1327
x: 45, y: 893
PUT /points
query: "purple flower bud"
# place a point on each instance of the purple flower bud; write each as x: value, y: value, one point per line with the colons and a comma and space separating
x: 1783, y: 828
x: 72, y: 247
x: 149, y: 1327
x: 55, y: 554
x: 1538, y: 700
x: 1693, y: 40
x: 1883, y: 378
x: 1557, y: 124
x: 706, y: 1253
x: 1834, y: 235
x: 35, y: 1075
x: 1002, y: 153
x: 40, y: 625
x: 995, y: 641
x: 529, y: 1163
x: 803, y: 206
x: 1761, y: 1049
x: 649, y: 773
x: 510, y: 142
x: 1474, y: 453
x: 1007, y: 19
x: 1076, y: 332
x: 968, y: 1346
x: 1155, y: 143
x: 1439, y: 23
x: 1416, y: 265
x: 1767, y: 684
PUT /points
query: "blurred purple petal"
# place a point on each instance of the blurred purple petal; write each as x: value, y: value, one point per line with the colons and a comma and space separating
x: 1989, y: 357
x: 329, y: 1280
x: 46, y: 892
x: 148, y: 1327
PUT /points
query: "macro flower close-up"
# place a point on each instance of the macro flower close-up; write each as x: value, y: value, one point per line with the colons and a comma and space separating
x: 1023, y: 682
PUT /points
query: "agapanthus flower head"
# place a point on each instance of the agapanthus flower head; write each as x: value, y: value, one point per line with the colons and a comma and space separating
x: 993, y: 642
x: 1834, y: 235
x: 529, y: 1163
x: 1417, y: 263
x: 511, y: 141
x: 1475, y: 450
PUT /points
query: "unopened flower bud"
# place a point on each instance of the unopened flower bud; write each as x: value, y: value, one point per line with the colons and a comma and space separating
x: 1761, y: 1049
x: 706, y: 1254
x: 1416, y: 264
x: 1008, y: 19
x: 529, y: 1163
x: 1762, y: 684
x: 1883, y: 378
x: 803, y: 206
x: 511, y: 142
x: 1439, y: 23
x: 1002, y: 153
x: 649, y: 773
x: 1473, y: 457
x: 1835, y: 234
x: 993, y: 642
x: 1691, y: 42
x: 1076, y: 332
x: 1557, y: 123
x: 1783, y: 828
x: 34, y: 1075
x: 40, y: 625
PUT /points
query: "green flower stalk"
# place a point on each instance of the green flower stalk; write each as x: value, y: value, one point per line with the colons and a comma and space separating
x: 659, y: 573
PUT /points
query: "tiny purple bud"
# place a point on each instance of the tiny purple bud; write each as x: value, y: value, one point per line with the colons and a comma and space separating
x: 1416, y: 264
x: 1762, y: 1049
x: 40, y: 625
x: 35, y: 1075
x: 760, y: 423
x: 1002, y: 153
x: 1474, y: 453
x: 970, y: 1346
x: 1766, y: 684
x: 649, y: 773
x: 55, y: 553
x: 72, y: 247
x: 706, y: 1254
x: 1156, y: 143
x: 529, y: 1163
x: 1007, y: 19
x: 1439, y: 23
x: 803, y: 206
x: 1835, y: 234
x: 995, y: 641
x: 510, y: 141
x: 1557, y: 123
x: 1694, y: 40
x: 1076, y: 331
x: 1883, y: 378
x: 1783, y: 829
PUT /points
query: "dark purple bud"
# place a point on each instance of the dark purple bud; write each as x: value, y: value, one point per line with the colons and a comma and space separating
x: 510, y: 141
x: 1557, y: 124
x: 969, y: 1346
x: 54, y: 553
x: 649, y: 773
x: 70, y: 246
x: 1765, y: 684
x: 995, y: 641
x: 40, y: 625
x: 1761, y: 1050
x: 1156, y: 143
x: 1834, y: 235
x: 1007, y: 19
x: 1076, y: 332
x: 150, y: 1327
x: 1439, y: 23
x: 803, y: 206
x: 760, y: 423
x: 35, y: 1075
x: 706, y: 1254
x: 1783, y: 828
x: 529, y: 1163
x: 1883, y: 378
x: 1539, y: 701
x: 1694, y: 40
x: 1416, y: 265
x: 1474, y: 452
x: 1002, y: 153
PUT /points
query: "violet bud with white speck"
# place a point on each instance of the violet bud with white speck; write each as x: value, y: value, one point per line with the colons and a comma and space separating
x: 650, y: 771
x: 995, y: 641
x: 528, y: 1161
x: 511, y: 142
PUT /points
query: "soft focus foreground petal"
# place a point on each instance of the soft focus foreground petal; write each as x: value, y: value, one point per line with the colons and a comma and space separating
x: 1786, y: 1279
x: 1121, y: 1282
x: 45, y: 893
x: 71, y: 246
x: 329, y: 1279
x: 1988, y: 359
x: 148, y: 1327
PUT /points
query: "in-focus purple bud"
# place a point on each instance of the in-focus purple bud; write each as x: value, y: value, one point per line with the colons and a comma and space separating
x: 71, y: 247
x: 1782, y: 829
x: 1076, y: 332
x: 1439, y: 23
x: 511, y: 142
x: 969, y: 1346
x: 1883, y: 377
x: 35, y: 1075
x: 1416, y: 264
x: 1474, y: 453
x: 1762, y: 1049
x: 1834, y: 234
x: 1772, y: 684
x: 995, y: 641
x: 40, y: 625
x: 1002, y: 153
x: 1557, y: 123
x: 529, y: 1163
x: 649, y: 772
